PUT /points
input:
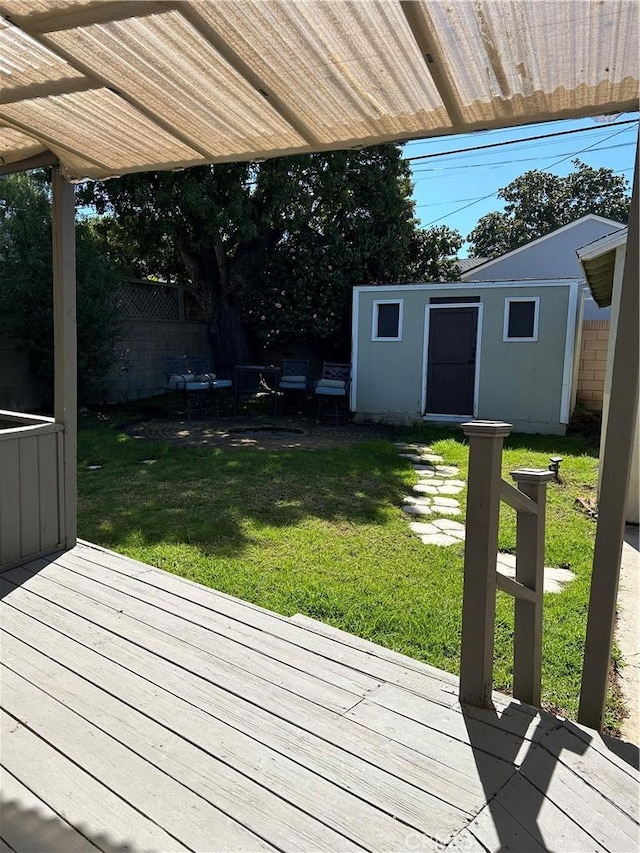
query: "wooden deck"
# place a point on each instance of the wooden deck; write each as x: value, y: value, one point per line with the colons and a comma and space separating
x: 143, y: 712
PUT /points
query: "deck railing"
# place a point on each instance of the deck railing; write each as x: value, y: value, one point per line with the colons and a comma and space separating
x: 31, y: 487
x: 486, y: 489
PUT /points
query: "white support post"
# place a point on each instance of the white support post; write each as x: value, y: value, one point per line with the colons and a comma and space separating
x: 530, y: 538
x: 65, y: 343
x: 480, y: 553
x: 614, y: 485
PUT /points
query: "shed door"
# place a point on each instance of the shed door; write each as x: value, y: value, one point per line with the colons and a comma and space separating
x: 451, y: 360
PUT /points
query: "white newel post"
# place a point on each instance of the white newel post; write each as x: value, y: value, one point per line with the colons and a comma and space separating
x: 486, y: 439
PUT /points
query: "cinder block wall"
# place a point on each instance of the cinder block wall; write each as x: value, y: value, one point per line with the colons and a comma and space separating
x: 143, y: 348
x: 593, y: 363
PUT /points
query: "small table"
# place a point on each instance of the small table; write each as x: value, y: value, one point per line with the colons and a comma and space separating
x: 256, y: 379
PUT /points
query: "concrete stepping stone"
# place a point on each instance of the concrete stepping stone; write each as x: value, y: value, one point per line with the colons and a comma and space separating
x: 416, y: 501
x: 430, y: 468
x: 423, y: 527
x: 449, y: 524
x: 460, y: 483
x: 447, y: 489
x: 438, y: 501
x: 441, y: 539
x: 417, y: 509
x: 559, y: 575
x: 508, y: 561
x: 431, y: 457
x: 554, y: 578
x: 414, y: 448
x: 426, y: 489
x: 447, y: 510
x: 452, y: 470
x: 412, y: 457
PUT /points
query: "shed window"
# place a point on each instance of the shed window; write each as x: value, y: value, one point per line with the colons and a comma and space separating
x: 387, y: 320
x: 521, y: 318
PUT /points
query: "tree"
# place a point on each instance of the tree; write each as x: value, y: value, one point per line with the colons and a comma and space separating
x: 538, y: 202
x: 241, y: 234
x: 26, y: 292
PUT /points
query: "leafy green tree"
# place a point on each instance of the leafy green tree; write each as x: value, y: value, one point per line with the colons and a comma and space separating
x: 538, y: 202
x: 241, y: 234
x: 26, y: 300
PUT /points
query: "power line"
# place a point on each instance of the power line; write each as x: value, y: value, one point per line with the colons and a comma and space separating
x: 431, y: 172
x: 514, y: 141
x: 479, y: 198
x: 490, y: 195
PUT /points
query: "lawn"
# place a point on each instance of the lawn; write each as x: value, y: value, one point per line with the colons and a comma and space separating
x: 321, y: 532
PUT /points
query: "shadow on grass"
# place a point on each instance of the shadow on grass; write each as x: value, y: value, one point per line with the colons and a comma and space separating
x: 219, y: 500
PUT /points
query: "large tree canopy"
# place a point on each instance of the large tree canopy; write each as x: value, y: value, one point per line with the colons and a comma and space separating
x: 274, y: 249
x: 538, y: 202
x: 26, y: 295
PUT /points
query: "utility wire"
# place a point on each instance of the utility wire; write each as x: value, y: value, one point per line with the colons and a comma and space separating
x: 479, y: 198
x: 514, y: 141
x: 432, y: 171
x: 490, y: 195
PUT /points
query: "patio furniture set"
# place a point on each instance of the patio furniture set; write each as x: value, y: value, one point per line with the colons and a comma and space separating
x: 202, y: 391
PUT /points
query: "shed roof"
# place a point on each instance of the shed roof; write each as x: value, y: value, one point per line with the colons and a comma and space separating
x: 117, y: 87
x: 487, y: 264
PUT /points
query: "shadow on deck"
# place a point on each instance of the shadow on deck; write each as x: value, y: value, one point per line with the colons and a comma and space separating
x: 141, y: 711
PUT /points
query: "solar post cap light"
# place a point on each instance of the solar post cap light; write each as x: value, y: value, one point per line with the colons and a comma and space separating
x: 554, y: 465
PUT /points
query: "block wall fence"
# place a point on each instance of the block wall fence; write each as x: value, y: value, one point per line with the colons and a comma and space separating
x: 142, y: 349
x: 593, y: 363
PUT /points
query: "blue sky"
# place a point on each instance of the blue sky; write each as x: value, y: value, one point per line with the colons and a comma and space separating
x: 444, y: 184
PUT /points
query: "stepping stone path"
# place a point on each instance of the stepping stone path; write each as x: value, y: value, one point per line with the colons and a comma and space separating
x: 432, y: 497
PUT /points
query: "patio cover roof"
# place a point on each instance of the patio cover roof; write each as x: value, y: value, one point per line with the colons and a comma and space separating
x: 598, y: 260
x: 117, y: 87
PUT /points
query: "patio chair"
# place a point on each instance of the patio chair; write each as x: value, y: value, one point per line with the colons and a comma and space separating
x: 294, y: 381
x: 332, y: 390
x: 191, y: 376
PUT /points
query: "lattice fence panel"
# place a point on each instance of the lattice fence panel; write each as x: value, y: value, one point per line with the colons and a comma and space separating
x: 149, y: 301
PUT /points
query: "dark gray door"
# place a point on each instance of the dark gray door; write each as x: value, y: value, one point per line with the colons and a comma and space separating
x: 451, y: 361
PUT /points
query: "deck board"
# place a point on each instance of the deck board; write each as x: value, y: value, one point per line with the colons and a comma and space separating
x: 319, y: 740
x: 26, y: 817
x: 426, y: 680
x: 145, y: 712
x: 82, y: 801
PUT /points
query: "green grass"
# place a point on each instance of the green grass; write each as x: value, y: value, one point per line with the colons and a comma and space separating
x: 321, y: 532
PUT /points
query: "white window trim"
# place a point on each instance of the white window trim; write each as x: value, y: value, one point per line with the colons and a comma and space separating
x: 374, y: 319
x: 536, y: 314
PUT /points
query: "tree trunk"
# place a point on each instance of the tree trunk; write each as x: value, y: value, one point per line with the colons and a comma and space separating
x: 227, y: 338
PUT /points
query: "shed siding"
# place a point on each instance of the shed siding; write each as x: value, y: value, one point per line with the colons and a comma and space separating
x: 520, y: 382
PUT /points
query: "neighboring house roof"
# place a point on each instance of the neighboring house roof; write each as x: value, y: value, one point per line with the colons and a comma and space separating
x: 467, y: 264
x: 551, y: 256
x: 598, y: 260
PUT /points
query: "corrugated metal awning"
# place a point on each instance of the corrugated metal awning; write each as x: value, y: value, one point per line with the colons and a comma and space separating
x: 116, y: 87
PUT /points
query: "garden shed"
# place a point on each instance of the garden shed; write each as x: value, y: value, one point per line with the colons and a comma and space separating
x: 447, y: 352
